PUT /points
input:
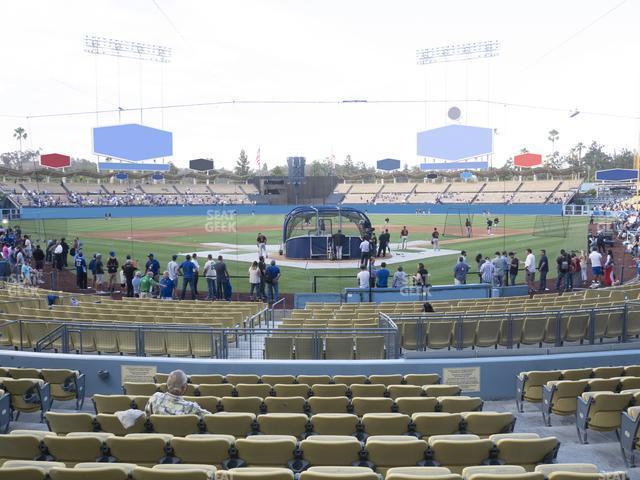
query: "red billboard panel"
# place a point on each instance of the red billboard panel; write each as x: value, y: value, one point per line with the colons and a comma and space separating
x: 527, y: 160
x: 55, y: 160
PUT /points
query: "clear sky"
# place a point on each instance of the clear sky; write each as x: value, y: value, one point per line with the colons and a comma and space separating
x: 560, y: 54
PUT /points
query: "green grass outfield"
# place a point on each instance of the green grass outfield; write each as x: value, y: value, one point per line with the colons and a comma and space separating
x: 165, y: 236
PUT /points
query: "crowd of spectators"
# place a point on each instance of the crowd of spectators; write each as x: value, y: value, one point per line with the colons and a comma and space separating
x: 138, y: 198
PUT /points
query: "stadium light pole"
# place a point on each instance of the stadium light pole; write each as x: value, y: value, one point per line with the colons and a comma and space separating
x: 96, y: 45
x: 462, y: 52
x: 458, y: 53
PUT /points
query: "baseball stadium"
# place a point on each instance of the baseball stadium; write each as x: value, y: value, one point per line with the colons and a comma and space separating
x: 460, y: 300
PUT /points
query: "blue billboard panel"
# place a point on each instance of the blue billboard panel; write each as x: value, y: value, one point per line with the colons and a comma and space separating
x: 454, y: 166
x: 388, y: 164
x: 139, y: 167
x: 617, y: 175
x: 132, y: 142
x: 455, y: 142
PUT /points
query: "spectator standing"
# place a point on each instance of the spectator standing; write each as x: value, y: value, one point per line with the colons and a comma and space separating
x: 112, y: 270
x: 25, y: 271
x: 505, y: 268
x: 153, y: 265
x: 487, y: 271
x: 583, y: 267
x: 187, y: 268
x: 543, y: 266
x: 273, y: 278
x: 363, y: 277
x: 81, y: 271
x: 498, y: 270
x: 99, y: 273
x: 562, y: 264
x: 576, y: 271
x: 600, y: 242
x: 57, y: 256
x: 38, y: 258
x: 222, y: 276
x: 261, y: 241
x: 595, y: 257
x: 65, y: 251
x: 530, y: 270
x: 422, y: 276
x: 460, y: 271
x: 382, y: 276
x: 435, y: 240
x: 608, y: 278
x: 479, y: 261
x: 404, y: 236
x: 172, y: 268
x: 135, y: 283
x: 399, y: 278
x: 262, y: 266
x: 129, y: 271
x: 372, y: 271
x: 374, y: 245
x: 167, y: 286
x: 254, y: 281
x: 196, y: 271
x: 365, y: 249
x: 210, y: 275
x: 514, y: 264
x: 28, y: 250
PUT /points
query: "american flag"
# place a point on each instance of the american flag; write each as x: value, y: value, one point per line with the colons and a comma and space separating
x: 258, y: 158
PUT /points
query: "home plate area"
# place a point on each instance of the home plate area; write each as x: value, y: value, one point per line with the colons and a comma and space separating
x: 416, y: 251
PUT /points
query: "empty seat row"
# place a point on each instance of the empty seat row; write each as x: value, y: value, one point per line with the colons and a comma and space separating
x: 49, y: 470
x: 223, y: 451
x: 65, y: 384
x: 421, y: 425
x: 529, y: 384
x: 264, y: 390
x: 560, y: 397
x: 531, y: 329
x: 573, y: 471
x: 313, y: 405
x: 343, y: 347
x: 419, y: 379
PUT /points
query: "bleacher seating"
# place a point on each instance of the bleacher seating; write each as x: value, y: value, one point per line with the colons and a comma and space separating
x: 509, y: 191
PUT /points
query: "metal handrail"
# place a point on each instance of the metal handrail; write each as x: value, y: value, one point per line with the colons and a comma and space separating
x: 55, y: 334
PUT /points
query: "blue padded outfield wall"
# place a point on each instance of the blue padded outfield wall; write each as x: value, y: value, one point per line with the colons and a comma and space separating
x: 196, y: 210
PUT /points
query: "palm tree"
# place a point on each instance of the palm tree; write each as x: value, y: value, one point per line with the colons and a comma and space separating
x: 553, y: 136
x: 20, y: 134
x: 579, y: 146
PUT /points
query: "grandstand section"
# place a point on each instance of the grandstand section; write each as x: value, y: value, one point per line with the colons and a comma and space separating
x: 490, y: 192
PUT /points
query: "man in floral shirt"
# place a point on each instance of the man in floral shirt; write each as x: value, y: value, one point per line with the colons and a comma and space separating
x: 171, y: 402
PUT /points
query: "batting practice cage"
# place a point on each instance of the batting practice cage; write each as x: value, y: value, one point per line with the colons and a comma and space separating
x: 551, y: 226
x: 308, y: 231
x: 455, y: 222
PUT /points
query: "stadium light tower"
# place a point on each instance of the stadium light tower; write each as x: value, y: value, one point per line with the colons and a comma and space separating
x: 458, y: 53
x: 123, y: 48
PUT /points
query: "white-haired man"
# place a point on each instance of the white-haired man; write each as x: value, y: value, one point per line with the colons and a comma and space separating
x: 172, y: 402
